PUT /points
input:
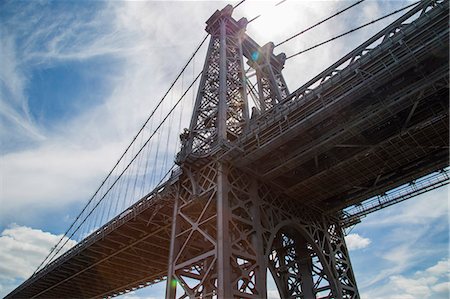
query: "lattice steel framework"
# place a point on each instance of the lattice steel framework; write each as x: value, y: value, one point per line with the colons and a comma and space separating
x: 221, y: 111
x: 228, y: 227
x: 272, y: 88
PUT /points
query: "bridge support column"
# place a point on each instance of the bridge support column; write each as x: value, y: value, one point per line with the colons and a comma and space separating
x: 229, y: 228
x: 217, y: 248
x: 311, y: 261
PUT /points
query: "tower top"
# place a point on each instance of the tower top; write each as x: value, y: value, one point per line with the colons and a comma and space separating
x: 212, y: 24
x: 221, y: 111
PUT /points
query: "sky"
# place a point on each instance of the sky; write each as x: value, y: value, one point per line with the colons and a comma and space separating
x: 78, y: 79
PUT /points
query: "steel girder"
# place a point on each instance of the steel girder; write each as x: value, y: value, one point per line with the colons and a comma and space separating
x: 228, y: 228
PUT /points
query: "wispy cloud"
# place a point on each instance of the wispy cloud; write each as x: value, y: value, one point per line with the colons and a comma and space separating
x: 64, y: 162
x: 431, y: 283
x: 14, y: 110
x: 420, y: 213
x: 405, y: 239
x: 50, y: 177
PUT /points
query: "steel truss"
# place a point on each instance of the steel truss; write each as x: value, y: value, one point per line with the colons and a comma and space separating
x: 228, y: 227
x: 221, y: 110
x: 353, y: 214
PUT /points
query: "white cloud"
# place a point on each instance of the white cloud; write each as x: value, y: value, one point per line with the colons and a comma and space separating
x: 355, y: 241
x: 442, y: 288
x: 14, y: 109
x: 421, y: 213
x: 51, y: 177
x: 408, y: 250
x: 150, y: 48
x: 68, y: 161
x: 442, y: 267
x: 418, y: 286
x: 404, y: 234
x: 431, y: 283
x: 22, y: 249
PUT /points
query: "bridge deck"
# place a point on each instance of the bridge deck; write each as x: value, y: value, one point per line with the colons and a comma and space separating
x: 363, y: 129
x: 131, y: 251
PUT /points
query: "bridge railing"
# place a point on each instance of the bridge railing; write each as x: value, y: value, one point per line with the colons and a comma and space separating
x: 353, y: 214
x: 351, y: 76
x: 364, y: 51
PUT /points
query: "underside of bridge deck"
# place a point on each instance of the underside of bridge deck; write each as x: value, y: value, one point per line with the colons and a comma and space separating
x: 373, y: 145
x: 131, y: 251
x: 380, y: 123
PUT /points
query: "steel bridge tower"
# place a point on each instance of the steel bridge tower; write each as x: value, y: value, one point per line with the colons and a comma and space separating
x: 229, y: 227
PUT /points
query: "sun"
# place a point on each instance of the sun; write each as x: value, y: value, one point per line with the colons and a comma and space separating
x: 272, y: 20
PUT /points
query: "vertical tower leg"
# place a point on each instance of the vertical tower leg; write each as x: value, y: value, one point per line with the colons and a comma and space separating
x: 171, y: 283
x: 216, y: 237
x: 223, y: 237
x: 311, y: 261
x: 304, y: 258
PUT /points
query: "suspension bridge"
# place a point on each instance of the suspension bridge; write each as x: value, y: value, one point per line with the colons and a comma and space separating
x: 264, y: 177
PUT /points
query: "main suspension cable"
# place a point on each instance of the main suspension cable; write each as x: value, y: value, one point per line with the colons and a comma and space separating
x: 128, y: 165
x: 242, y: 1
x: 353, y: 30
x: 321, y: 22
x: 123, y: 154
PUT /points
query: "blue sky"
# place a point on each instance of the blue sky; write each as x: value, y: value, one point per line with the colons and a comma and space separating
x: 78, y: 78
